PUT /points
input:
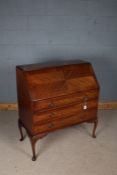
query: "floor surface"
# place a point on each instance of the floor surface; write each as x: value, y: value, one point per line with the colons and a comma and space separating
x: 70, y: 151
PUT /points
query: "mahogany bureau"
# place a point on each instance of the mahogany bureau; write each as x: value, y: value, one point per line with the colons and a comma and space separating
x: 54, y: 97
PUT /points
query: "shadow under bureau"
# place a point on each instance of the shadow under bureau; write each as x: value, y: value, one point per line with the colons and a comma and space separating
x: 53, y: 97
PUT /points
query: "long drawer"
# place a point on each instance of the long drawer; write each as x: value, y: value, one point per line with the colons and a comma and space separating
x: 60, y: 123
x: 63, y: 100
x: 64, y: 112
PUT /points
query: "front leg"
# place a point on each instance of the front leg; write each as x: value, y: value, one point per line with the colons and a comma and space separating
x: 94, y: 128
x: 33, y: 141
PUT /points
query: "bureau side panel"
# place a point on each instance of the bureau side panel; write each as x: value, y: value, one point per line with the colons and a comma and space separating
x: 24, y: 102
x: 94, y: 75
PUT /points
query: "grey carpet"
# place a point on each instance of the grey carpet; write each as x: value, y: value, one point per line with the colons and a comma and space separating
x: 70, y: 151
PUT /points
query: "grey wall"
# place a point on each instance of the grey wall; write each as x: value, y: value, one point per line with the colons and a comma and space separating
x: 34, y: 31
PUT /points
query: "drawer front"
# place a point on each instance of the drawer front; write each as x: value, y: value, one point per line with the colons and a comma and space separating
x: 60, y: 113
x: 63, y: 101
x: 61, y: 123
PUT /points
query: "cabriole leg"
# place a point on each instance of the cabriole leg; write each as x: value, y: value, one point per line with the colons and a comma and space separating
x: 33, y: 138
x: 94, y: 128
x: 20, y: 129
x: 33, y: 141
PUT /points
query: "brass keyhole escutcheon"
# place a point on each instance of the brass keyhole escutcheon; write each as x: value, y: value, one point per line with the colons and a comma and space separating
x: 85, y: 99
x: 85, y: 103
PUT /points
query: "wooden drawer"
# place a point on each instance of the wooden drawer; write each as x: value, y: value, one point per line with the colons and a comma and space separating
x: 60, y: 123
x: 64, y: 112
x: 63, y: 101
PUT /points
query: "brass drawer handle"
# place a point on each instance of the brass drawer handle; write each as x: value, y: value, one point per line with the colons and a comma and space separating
x: 50, y: 105
x: 52, y: 114
x: 50, y: 125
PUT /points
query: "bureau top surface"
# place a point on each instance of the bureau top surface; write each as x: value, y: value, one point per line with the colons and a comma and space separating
x: 39, y: 66
x: 50, y: 81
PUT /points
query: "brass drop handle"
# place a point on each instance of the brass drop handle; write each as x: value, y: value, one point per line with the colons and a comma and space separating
x: 50, y: 125
x: 52, y: 114
x: 51, y: 104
